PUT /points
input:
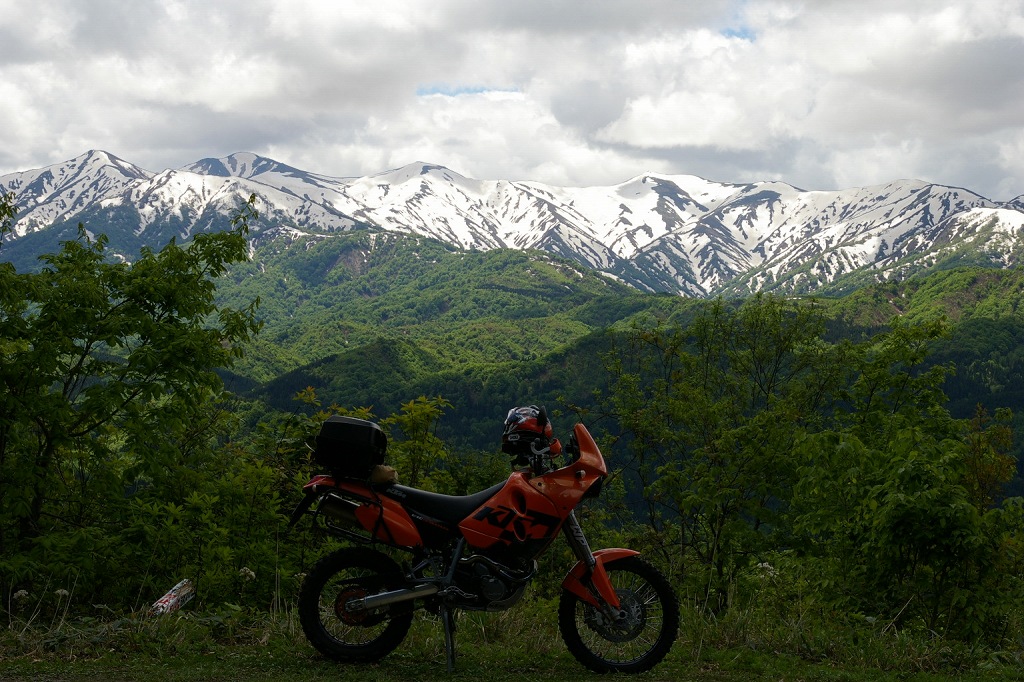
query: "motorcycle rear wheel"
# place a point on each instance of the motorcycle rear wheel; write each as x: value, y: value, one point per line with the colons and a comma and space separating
x: 641, y: 639
x: 343, y: 634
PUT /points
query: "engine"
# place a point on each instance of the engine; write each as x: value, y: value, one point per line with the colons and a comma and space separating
x: 490, y: 586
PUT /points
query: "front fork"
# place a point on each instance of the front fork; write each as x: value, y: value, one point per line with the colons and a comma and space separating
x: 588, y: 579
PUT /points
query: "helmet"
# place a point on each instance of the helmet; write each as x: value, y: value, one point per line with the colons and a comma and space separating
x: 524, y: 426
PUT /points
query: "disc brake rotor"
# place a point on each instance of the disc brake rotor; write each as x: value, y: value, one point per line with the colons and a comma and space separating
x: 626, y: 627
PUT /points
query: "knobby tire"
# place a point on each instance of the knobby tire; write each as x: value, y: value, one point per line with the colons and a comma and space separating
x: 638, y: 644
x: 361, y: 637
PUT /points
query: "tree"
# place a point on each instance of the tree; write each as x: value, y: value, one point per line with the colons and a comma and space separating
x: 420, y: 454
x: 104, y: 368
x: 893, y: 504
x: 710, y: 413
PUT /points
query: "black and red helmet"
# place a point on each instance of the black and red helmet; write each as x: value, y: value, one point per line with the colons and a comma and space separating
x: 525, y: 427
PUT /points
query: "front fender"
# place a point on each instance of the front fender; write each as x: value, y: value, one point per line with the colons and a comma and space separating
x: 576, y: 581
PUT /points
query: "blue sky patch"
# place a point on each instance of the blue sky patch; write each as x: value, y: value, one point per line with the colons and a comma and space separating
x: 741, y: 32
x: 456, y: 90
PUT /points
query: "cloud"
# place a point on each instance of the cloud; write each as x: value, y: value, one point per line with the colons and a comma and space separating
x: 823, y: 94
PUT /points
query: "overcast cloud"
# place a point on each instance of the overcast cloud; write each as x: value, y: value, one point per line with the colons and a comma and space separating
x: 822, y: 94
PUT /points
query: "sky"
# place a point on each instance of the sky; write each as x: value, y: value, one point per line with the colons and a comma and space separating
x: 822, y: 94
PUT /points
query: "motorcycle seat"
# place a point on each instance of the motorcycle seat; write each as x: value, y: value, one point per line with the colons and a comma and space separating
x: 450, y: 509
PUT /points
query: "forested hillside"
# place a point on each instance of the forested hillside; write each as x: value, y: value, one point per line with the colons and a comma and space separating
x: 983, y: 314
x: 373, y: 320
x: 330, y: 295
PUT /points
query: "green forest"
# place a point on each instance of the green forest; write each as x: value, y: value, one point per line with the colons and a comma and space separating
x: 820, y: 477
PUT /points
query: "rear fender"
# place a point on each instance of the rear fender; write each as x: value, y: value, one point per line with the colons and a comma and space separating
x: 382, y: 517
x: 312, y: 491
x: 389, y: 522
x: 300, y: 509
x: 577, y: 578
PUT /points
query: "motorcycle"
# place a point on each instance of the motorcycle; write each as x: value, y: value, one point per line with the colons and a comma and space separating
x: 616, y: 612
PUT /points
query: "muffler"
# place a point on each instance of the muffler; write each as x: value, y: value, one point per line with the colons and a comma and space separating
x: 375, y: 601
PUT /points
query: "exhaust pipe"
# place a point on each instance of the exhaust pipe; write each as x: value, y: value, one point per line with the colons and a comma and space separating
x: 375, y: 601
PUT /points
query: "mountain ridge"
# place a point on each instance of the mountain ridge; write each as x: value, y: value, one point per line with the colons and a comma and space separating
x: 657, y: 232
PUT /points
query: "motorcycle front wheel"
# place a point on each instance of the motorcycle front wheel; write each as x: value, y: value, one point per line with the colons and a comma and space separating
x: 332, y: 626
x: 643, y: 634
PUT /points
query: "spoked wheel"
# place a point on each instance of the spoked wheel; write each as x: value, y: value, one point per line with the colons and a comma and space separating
x: 639, y: 637
x: 333, y: 626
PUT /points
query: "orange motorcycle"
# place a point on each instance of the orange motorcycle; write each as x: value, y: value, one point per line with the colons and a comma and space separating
x: 616, y: 612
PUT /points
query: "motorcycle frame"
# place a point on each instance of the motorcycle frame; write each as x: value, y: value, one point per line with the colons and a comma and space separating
x: 533, y: 505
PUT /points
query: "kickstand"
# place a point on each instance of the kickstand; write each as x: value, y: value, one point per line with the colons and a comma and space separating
x: 448, y: 616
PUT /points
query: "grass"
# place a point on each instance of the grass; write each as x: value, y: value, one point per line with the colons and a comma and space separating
x: 522, y: 644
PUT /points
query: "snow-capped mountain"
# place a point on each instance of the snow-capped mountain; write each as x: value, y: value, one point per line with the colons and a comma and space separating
x: 677, y: 233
